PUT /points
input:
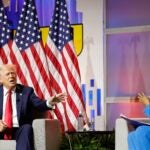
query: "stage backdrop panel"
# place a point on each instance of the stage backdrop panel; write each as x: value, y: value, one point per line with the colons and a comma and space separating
x: 127, y: 57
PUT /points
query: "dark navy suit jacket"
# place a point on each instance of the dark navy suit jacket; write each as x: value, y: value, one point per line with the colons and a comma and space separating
x: 26, y: 101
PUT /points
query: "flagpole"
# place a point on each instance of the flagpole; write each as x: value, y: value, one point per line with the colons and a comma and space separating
x: 16, y: 8
x: 9, y: 5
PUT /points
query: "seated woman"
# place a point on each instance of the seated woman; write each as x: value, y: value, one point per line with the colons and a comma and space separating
x: 140, y: 138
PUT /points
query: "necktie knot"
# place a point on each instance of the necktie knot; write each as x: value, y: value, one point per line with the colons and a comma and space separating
x: 9, y: 92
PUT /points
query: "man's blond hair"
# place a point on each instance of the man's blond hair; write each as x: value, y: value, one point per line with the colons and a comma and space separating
x: 5, y: 66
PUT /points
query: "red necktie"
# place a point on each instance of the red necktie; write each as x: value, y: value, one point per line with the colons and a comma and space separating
x: 8, y: 117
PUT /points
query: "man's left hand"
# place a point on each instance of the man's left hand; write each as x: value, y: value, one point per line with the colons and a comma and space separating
x: 61, y: 97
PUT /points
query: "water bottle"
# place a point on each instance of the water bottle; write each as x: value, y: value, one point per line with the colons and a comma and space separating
x: 92, y: 127
x: 80, y: 122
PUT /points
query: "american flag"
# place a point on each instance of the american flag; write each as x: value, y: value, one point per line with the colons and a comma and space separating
x: 28, y: 53
x: 64, y: 68
x: 5, y: 36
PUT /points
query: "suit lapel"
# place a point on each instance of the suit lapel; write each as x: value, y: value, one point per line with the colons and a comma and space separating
x: 18, y: 100
x: 1, y: 101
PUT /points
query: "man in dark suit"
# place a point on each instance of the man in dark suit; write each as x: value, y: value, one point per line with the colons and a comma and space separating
x: 18, y: 124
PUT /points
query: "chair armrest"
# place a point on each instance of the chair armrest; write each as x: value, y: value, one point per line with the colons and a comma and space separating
x: 7, y: 145
x: 47, y: 135
x: 121, y: 134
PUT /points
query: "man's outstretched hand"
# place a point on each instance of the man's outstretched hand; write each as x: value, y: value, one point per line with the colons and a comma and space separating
x: 61, y: 97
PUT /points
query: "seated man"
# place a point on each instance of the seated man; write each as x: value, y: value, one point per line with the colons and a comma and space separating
x: 16, y: 103
x: 140, y: 138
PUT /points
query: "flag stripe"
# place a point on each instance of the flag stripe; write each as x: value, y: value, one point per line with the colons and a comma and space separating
x: 64, y: 114
x: 72, y: 77
x: 59, y: 111
x: 3, y: 55
x: 35, y: 56
x: 5, y: 52
x: 29, y: 52
x: 59, y: 79
x: 56, y: 85
x: 57, y: 89
x: 5, y: 36
x: 14, y: 60
x: 53, y: 56
x: 71, y: 71
x: 32, y: 75
x: 63, y: 65
x: 72, y: 56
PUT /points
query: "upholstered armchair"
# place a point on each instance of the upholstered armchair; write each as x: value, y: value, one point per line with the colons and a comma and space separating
x: 47, y: 136
x: 122, y: 128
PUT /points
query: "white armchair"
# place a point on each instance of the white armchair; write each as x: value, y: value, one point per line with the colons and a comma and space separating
x: 47, y: 136
x: 122, y: 128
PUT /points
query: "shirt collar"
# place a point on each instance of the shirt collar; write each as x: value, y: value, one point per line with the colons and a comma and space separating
x: 6, y: 90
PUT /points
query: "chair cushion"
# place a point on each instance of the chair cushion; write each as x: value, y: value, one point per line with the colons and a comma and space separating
x: 7, y: 145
